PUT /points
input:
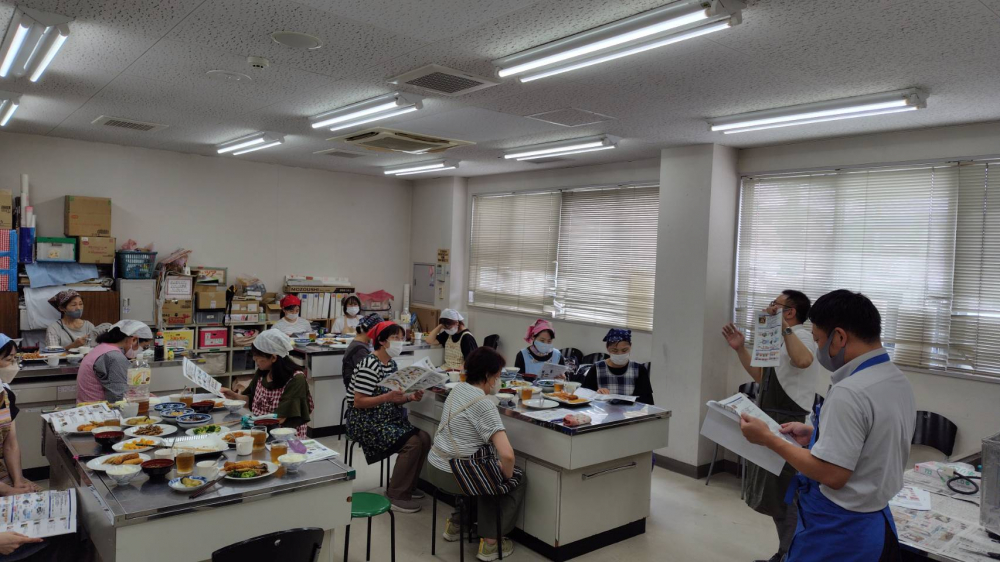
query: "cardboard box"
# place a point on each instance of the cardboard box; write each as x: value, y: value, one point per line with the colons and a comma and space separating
x: 245, y: 307
x: 178, y: 287
x: 211, y: 300
x: 178, y: 339
x: 242, y: 318
x: 55, y: 249
x: 213, y: 337
x: 95, y: 249
x: 6, y: 210
x: 178, y: 311
x: 87, y: 216
x: 427, y: 316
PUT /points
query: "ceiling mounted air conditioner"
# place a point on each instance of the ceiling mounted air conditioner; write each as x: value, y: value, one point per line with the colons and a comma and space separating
x: 388, y: 140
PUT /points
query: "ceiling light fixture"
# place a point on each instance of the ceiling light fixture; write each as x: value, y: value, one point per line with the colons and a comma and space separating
x: 562, y: 148
x: 421, y: 167
x: 32, y: 41
x: 9, y: 102
x: 250, y: 143
x: 848, y: 108
x: 656, y: 28
x: 382, y: 107
x: 296, y: 40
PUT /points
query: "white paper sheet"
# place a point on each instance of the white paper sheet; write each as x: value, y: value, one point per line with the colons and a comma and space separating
x: 316, y: 451
x: 548, y: 415
x: 911, y: 497
x: 767, y: 340
x: 64, y: 421
x: 722, y: 425
x: 199, y: 377
x: 552, y: 371
x: 610, y: 397
x: 42, y: 514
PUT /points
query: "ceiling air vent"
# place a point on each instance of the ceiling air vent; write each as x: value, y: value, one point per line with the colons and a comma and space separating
x: 570, y: 117
x: 547, y: 160
x: 339, y: 153
x: 129, y: 124
x: 442, y: 80
x: 388, y: 140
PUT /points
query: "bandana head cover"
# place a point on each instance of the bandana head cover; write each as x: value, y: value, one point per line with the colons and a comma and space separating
x: 4, y: 340
x: 273, y: 342
x: 452, y: 314
x: 61, y: 298
x: 616, y: 335
x: 369, y: 322
x: 374, y: 332
x: 538, y: 327
x: 134, y: 328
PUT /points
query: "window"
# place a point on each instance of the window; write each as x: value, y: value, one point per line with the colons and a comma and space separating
x: 586, y: 255
x: 920, y: 242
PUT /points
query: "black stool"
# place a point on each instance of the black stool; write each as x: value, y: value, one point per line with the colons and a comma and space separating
x: 383, y: 466
x: 459, y: 500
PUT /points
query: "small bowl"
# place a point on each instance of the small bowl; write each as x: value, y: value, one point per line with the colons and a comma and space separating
x: 283, y: 433
x: 233, y: 406
x: 292, y: 461
x: 193, y: 420
x: 267, y: 423
x: 175, y: 483
x: 107, y: 436
x: 164, y: 406
x: 571, y: 387
x: 157, y: 468
x: 173, y: 415
x: 203, y: 407
x: 74, y: 359
x: 123, y: 474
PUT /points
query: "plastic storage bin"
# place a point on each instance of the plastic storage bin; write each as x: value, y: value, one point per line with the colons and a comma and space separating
x: 135, y: 265
x: 213, y: 337
x: 215, y: 363
x: 55, y: 249
x: 8, y: 260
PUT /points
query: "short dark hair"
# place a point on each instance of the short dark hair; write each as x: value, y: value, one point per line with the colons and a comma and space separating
x: 482, y: 363
x: 387, y: 333
x: 347, y: 300
x: 800, y: 302
x: 852, y: 312
x: 8, y: 348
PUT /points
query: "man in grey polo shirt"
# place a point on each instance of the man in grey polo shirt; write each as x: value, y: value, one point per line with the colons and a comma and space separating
x: 858, y: 450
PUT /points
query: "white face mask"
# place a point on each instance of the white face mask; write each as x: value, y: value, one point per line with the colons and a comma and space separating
x: 620, y: 360
x: 395, y: 348
x: 451, y: 331
x: 291, y: 317
x: 353, y: 310
x: 8, y: 373
x: 495, y: 387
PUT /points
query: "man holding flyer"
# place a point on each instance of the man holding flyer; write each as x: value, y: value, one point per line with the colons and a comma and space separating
x: 787, y: 392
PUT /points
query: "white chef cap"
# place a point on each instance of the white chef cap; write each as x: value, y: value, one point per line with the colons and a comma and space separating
x: 273, y: 342
x: 452, y: 314
x: 134, y: 328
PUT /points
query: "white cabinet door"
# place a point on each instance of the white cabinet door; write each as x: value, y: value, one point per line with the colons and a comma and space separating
x: 137, y: 299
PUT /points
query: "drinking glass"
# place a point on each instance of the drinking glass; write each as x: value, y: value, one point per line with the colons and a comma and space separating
x: 526, y: 393
x: 278, y: 448
x: 185, y: 462
x: 259, y: 438
x: 187, y: 397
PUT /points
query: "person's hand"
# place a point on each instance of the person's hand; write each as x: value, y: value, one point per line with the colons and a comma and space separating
x: 9, y: 542
x: 755, y: 430
x: 396, y: 397
x: 79, y: 342
x: 25, y: 487
x: 799, y: 431
x: 733, y: 336
x: 603, y: 391
x: 417, y: 396
x: 230, y: 394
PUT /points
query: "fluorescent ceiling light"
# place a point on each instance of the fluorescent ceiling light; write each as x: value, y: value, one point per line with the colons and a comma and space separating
x: 421, y: 167
x: 573, y: 146
x: 9, y: 102
x: 860, y: 106
x: 382, y: 107
x: 32, y: 41
x: 250, y: 143
x: 426, y: 171
x: 656, y: 28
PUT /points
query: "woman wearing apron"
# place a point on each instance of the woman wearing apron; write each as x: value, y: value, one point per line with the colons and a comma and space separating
x: 457, y: 340
x: 529, y: 360
x: 11, y: 480
x: 618, y: 374
x: 851, y: 461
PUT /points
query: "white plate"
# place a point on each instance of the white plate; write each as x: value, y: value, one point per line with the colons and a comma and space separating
x: 224, y: 430
x: 175, y: 483
x: 120, y: 446
x: 98, y: 463
x: 204, y: 445
x: 156, y: 419
x: 451, y: 385
x: 271, y: 468
x: 541, y: 404
x: 582, y: 402
x: 167, y: 430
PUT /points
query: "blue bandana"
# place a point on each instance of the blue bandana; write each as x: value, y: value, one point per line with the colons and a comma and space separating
x: 4, y: 339
x: 369, y: 322
x: 616, y: 335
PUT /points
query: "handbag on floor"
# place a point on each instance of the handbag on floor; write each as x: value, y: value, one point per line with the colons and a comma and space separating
x: 480, y: 474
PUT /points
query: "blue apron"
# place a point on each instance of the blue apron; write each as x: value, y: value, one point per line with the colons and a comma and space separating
x: 533, y: 366
x: 827, y: 532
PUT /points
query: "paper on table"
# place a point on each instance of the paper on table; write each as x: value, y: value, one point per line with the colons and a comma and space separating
x: 767, y: 340
x: 931, y: 531
x: 911, y: 497
x: 547, y: 415
x: 68, y: 420
x: 42, y: 514
x: 199, y: 377
x: 418, y: 376
x: 610, y: 397
x: 316, y: 451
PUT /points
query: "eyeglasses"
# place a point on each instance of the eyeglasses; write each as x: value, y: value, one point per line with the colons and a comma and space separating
x: 781, y: 304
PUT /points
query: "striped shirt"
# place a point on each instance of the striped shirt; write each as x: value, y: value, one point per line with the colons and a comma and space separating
x: 300, y: 326
x: 370, y: 372
x: 471, y: 429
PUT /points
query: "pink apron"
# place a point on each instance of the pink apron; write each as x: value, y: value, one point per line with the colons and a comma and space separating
x: 88, y: 388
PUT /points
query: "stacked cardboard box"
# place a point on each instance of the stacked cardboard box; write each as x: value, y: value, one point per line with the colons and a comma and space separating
x: 88, y: 219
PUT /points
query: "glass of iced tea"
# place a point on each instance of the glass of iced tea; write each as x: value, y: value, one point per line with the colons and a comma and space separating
x: 143, y: 407
x: 187, y: 397
x: 278, y: 448
x: 558, y: 387
x: 461, y: 376
x: 526, y: 393
x: 185, y: 462
x: 259, y: 439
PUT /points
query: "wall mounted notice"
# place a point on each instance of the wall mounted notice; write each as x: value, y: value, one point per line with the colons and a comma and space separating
x: 767, y: 340
x: 444, y: 255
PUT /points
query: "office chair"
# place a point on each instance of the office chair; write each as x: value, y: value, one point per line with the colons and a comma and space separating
x: 935, y: 431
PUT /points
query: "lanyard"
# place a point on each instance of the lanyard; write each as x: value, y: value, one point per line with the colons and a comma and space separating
x: 870, y: 362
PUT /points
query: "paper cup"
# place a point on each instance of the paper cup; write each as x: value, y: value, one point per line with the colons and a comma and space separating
x: 208, y: 469
x: 244, y: 445
x: 53, y: 361
x: 164, y: 454
x: 130, y: 410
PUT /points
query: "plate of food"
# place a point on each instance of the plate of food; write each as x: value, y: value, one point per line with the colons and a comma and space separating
x: 137, y: 445
x: 87, y: 427
x: 141, y: 420
x: 205, y: 445
x: 37, y: 356
x: 519, y: 384
x: 208, y: 430
x: 164, y: 406
x: 154, y: 430
x: 187, y: 483
x: 118, y: 459
x: 172, y: 415
x: 540, y: 404
x: 230, y: 438
x: 567, y: 398
x: 248, y: 470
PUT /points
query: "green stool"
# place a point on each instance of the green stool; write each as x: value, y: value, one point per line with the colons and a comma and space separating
x: 368, y: 505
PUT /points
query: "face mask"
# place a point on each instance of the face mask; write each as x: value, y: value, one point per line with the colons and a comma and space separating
x: 291, y: 317
x: 451, y: 331
x: 830, y: 363
x: 75, y: 314
x: 131, y: 353
x: 543, y: 348
x: 495, y: 387
x: 394, y: 349
x: 8, y: 373
x: 353, y: 310
x: 622, y: 359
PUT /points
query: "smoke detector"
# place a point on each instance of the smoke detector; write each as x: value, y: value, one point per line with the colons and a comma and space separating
x: 258, y: 62
x: 296, y: 40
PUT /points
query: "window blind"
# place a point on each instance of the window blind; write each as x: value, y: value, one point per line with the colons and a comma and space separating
x: 888, y: 233
x: 607, y: 256
x: 513, y: 251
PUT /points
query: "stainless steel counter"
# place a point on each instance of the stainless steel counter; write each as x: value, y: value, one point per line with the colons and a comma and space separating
x: 316, y: 349
x: 38, y: 369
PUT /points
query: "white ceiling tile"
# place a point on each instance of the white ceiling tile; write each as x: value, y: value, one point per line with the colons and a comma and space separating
x: 477, y: 125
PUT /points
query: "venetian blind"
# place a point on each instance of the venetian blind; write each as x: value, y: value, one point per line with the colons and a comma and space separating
x: 888, y: 233
x: 607, y: 256
x: 975, y: 327
x: 513, y: 251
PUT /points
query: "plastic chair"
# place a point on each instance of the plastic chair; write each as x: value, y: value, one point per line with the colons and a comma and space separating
x: 593, y: 358
x: 459, y: 499
x: 383, y: 466
x: 935, y: 431
x: 750, y: 389
x: 364, y: 504
x: 581, y: 373
x: 572, y: 354
x: 492, y: 341
x: 294, y: 545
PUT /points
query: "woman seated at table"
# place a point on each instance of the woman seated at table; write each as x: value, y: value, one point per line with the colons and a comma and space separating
x: 377, y: 421
x: 103, y: 373
x: 618, y: 374
x: 349, y: 321
x: 529, y: 360
x: 71, y: 330
x: 469, y: 422
x: 359, y: 348
x: 457, y: 340
x: 279, y: 386
x: 12, y: 481
x: 291, y: 324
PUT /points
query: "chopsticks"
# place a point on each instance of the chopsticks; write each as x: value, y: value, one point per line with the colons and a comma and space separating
x: 207, y: 486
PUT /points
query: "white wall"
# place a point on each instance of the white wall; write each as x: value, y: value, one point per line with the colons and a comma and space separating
x: 261, y: 219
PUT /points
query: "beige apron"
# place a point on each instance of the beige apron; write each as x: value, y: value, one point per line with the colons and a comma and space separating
x: 5, y: 423
x: 453, y: 358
